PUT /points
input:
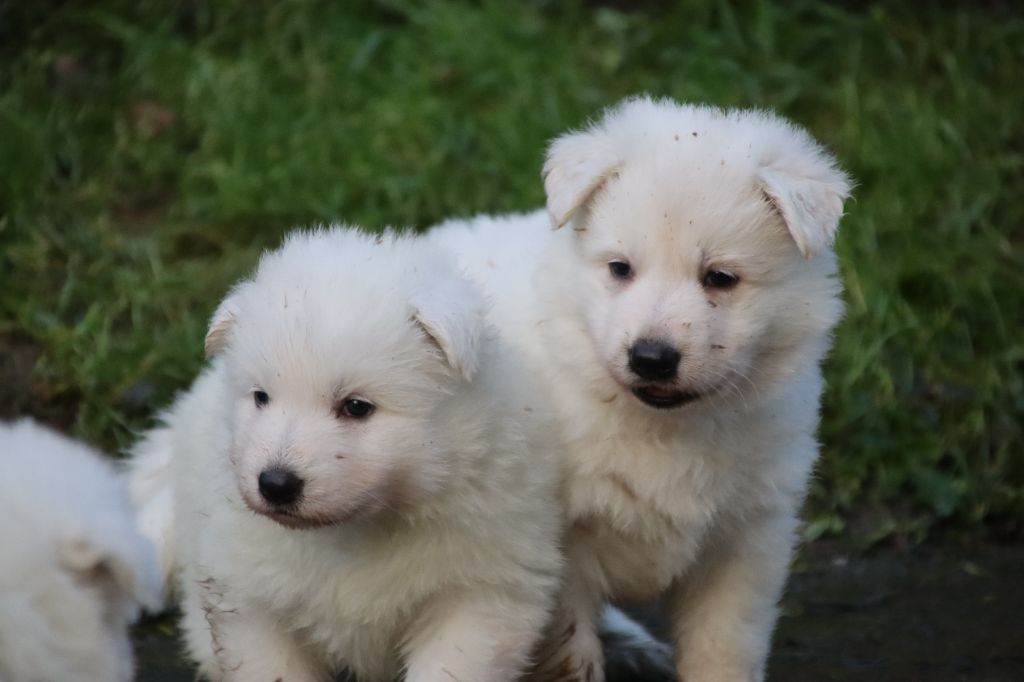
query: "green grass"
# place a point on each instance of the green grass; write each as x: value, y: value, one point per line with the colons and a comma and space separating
x: 149, y: 150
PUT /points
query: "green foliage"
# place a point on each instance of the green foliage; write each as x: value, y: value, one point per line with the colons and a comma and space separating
x: 150, y: 149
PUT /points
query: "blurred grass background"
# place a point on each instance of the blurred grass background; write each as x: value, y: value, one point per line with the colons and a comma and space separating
x: 150, y: 149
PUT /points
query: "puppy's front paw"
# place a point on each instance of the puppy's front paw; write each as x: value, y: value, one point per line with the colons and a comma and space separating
x: 572, y: 654
x: 718, y: 673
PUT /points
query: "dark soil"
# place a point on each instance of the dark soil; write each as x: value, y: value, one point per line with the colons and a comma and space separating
x: 23, y: 393
x: 931, y: 614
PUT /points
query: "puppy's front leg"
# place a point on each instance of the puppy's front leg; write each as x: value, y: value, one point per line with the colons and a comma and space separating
x: 725, y: 610
x: 249, y: 646
x: 571, y: 648
x: 474, y: 637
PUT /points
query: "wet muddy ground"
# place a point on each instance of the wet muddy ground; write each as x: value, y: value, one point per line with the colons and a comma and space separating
x: 930, y: 614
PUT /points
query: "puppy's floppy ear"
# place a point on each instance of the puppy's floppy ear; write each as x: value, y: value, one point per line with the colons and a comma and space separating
x: 121, y: 567
x: 222, y: 323
x: 452, y: 315
x: 808, y: 190
x: 577, y: 165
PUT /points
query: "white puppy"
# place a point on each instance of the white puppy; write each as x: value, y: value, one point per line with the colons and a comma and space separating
x: 680, y: 322
x: 73, y: 568
x: 360, y: 479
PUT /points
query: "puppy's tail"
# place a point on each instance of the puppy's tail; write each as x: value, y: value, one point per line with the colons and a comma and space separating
x: 149, y: 484
x: 631, y: 652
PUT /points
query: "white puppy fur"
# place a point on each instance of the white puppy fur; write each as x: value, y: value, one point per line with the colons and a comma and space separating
x: 73, y: 569
x: 149, y: 486
x: 423, y: 539
x: 679, y: 321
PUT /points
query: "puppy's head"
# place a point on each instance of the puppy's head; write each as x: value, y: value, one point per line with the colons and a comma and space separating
x: 704, y: 240
x: 341, y: 353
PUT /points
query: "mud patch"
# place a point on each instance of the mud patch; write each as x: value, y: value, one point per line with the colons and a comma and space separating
x: 21, y: 394
x: 18, y: 355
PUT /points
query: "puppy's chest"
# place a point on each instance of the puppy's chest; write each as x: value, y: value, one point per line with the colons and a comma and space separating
x: 353, y: 604
x: 643, y: 515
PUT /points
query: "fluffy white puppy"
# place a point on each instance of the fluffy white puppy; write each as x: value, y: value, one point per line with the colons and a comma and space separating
x: 679, y: 322
x: 73, y: 568
x: 360, y: 479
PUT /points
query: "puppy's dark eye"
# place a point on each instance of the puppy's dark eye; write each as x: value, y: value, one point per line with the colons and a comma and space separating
x: 717, y: 279
x: 620, y: 269
x: 260, y: 398
x: 355, y: 408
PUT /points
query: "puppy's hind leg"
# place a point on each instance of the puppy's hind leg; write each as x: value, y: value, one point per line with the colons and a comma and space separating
x: 631, y: 652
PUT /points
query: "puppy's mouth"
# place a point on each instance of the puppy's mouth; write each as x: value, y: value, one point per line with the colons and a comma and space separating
x: 294, y: 521
x: 663, y: 397
x: 291, y: 518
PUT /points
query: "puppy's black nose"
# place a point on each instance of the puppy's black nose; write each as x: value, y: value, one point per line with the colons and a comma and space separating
x: 280, y: 486
x: 655, y: 360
